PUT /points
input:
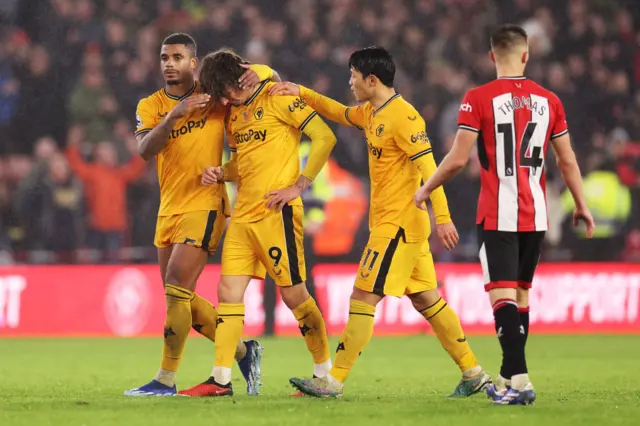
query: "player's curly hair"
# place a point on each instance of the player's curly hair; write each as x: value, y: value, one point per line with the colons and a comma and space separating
x: 221, y: 70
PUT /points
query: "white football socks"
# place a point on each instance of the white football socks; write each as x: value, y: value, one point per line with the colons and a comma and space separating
x: 322, y: 370
x: 519, y: 382
x: 222, y: 375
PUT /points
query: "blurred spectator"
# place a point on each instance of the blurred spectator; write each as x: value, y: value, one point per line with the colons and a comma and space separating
x: 51, y: 208
x: 628, y: 168
x: 91, y: 105
x: 610, y: 203
x: 40, y: 109
x: 9, y: 88
x: 105, y: 185
x: 61, y: 208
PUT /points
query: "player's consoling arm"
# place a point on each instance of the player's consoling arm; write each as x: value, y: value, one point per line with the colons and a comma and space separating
x: 152, y: 142
x: 255, y: 74
x: 333, y: 110
x: 452, y: 163
x: 327, y: 107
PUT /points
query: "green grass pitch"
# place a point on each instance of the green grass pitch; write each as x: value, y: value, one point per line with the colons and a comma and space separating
x: 580, y: 380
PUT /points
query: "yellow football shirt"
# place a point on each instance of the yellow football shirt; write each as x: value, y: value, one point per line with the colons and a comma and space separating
x: 398, y: 150
x: 196, y: 142
x: 265, y: 133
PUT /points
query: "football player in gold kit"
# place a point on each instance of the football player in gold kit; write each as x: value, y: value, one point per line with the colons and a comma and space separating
x: 397, y: 260
x: 265, y: 233
x: 183, y: 129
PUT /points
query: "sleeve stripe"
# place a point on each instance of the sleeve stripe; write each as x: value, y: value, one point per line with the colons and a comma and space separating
x: 346, y: 115
x: 143, y: 131
x: 467, y: 127
x: 307, y: 120
x: 233, y: 149
x: 557, y: 135
x: 420, y: 154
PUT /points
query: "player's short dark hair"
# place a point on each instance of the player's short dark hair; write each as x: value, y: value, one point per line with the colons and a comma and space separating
x: 508, y: 36
x: 375, y: 61
x: 219, y: 70
x: 184, y: 39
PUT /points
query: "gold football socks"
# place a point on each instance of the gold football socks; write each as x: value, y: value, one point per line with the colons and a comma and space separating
x: 313, y: 330
x: 354, y: 339
x: 447, y: 328
x: 228, y: 333
x: 176, y: 329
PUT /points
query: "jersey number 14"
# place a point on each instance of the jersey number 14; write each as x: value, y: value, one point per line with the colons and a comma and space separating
x: 530, y: 147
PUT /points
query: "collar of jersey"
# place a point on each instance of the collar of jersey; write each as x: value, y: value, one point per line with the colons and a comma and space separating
x: 179, y: 98
x: 257, y: 92
x: 520, y: 77
x: 397, y: 95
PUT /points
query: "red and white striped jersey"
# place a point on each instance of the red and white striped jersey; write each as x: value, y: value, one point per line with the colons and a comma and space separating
x: 515, y: 119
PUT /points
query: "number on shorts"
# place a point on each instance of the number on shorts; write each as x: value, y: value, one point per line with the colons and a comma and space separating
x: 373, y: 260
x: 275, y: 253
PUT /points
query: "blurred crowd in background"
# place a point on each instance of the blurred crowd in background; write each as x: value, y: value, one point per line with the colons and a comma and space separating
x: 72, y: 72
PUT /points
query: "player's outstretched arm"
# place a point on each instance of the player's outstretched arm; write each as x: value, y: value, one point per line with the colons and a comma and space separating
x: 327, y: 107
x: 151, y: 143
x: 322, y: 142
x: 570, y: 170
x: 255, y: 74
x: 450, y: 166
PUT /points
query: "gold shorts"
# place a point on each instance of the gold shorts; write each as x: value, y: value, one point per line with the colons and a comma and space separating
x: 394, y: 267
x: 202, y: 229
x: 272, y: 244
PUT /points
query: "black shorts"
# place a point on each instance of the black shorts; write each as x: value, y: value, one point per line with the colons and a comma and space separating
x: 509, y: 259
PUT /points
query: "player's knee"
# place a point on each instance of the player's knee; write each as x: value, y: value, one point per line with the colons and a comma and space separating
x: 365, y: 296
x: 295, y: 295
x: 496, y: 294
x: 178, y: 276
x: 522, y: 297
x: 232, y: 288
x: 424, y: 299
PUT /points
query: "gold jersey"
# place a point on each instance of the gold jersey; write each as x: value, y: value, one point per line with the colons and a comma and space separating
x: 265, y: 134
x: 196, y: 142
x: 400, y: 155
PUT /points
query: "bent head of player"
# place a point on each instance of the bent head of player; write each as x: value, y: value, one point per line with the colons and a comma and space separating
x: 178, y: 59
x: 372, y: 69
x: 219, y: 77
x: 510, y: 50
